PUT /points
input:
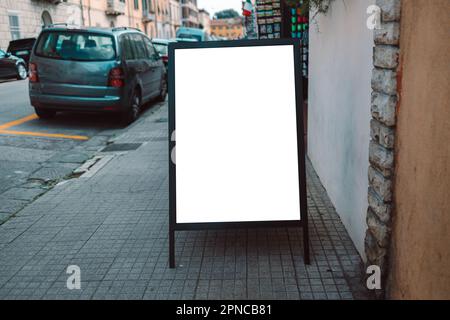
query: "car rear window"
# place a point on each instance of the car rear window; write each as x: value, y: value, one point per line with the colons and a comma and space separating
x: 161, y: 48
x: 73, y: 45
x: 190, y: 36
x: 21, y: 44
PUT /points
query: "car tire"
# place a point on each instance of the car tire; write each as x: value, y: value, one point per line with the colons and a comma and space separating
x: 45, y: 114
x: 163, y: 92
x: 21, y: 72
x: 132, y: 112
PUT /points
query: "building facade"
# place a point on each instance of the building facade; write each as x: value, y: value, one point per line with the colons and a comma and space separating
x: 175, y: 16
x: 204, y: 20
x: 189, y: 13
x: 113, y: 13
x: 138, y: 14
x: 25, y: 18
x: 162, y: 13
x: 228, y: 28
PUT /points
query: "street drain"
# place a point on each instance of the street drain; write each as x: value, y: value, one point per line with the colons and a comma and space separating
x: 121, y: 147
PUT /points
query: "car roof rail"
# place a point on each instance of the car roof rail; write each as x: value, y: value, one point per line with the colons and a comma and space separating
x: 61, y: 24
x: 125, y: 28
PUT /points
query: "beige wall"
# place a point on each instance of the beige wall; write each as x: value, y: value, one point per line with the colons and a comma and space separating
x: 30, y: 12
x: 162, y: 18
x: 420, y: 257
x: 205, y: 20
x: 175, y: 16
x: 94, y: 15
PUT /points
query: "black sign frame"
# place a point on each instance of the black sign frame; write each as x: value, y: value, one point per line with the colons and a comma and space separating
x: 303, y: 222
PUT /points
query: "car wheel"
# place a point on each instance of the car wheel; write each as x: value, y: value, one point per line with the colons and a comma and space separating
x: 45, y: 114
x: 163, y: 92
x: 132, y: 112
x: 21, y: 72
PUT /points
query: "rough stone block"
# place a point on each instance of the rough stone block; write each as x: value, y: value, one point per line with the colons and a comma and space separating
x: 375, y: 254
x: 386, y: 56
x: 390, y: 10
x: 380, y: 184
x: 379, y: 207
x: 385, y: 81
x: 379, y: 230
x: 383, y: 108
x: 381, y: 158
x: 389, y: 33
x: 382, y: 134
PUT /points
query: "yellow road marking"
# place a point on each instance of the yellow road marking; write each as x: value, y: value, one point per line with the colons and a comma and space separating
x: 41, y: 134
x: 18, y: 121
x: 33, y: 116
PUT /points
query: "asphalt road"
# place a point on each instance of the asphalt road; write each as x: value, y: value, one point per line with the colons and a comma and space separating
x: 35, y: 154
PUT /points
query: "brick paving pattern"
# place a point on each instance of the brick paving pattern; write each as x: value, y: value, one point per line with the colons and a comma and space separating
x: 114, y: 226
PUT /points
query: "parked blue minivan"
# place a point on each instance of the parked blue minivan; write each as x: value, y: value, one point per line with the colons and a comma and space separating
x: 93, y: 69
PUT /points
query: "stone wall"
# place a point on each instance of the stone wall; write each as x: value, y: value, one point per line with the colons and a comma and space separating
x: 382, y: 131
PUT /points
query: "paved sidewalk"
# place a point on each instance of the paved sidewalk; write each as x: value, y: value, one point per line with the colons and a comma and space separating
x: 114, y: 226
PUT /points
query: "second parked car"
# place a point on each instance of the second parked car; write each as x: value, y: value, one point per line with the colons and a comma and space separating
x: 93, y: 69
x: 162, y: 47
x: 22, y: 48
x: 12, y: 66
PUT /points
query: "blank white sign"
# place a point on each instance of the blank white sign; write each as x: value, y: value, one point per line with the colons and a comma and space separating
x: 236, y: 135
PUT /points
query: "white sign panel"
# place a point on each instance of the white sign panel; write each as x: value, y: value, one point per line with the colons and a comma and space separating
x: 236, y: 134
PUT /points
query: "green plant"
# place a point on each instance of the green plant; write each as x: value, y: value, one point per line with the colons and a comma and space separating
x: 226, y: 14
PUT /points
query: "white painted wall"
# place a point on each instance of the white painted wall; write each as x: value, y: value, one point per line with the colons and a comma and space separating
x: 340, y: 71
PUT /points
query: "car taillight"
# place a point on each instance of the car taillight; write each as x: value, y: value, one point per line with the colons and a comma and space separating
x: 116, y: 78
x: 165, y: 58
x: 33, y: 72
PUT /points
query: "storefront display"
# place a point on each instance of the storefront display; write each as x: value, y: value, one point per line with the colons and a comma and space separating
x: 269, y: 19
x: 276, y: 19
x: 297, y: 25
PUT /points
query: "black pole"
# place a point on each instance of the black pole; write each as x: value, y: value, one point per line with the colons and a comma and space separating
x: 171, y: 145
x: 171, y: 248
x: 301, y: 149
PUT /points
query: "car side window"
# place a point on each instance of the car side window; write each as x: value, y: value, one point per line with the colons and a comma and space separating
x: 139, y: 47
x: 127, y: 49
x: 151, y: 52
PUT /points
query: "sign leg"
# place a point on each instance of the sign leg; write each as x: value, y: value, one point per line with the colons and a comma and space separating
x: 171, y: 248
